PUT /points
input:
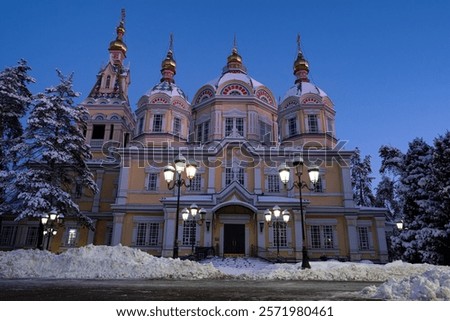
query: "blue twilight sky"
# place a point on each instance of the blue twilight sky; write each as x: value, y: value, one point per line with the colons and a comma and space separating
x: 385, y: 64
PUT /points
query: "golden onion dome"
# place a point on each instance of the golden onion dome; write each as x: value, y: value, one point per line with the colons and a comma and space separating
x: 118, y: 45
x: 169, y: 63
x: 300, y: 63
x: 234, y: 57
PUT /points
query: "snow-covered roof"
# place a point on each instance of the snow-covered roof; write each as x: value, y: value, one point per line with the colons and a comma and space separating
x: 167, y: 88
x: 226, y: 77
x: 303, y: 88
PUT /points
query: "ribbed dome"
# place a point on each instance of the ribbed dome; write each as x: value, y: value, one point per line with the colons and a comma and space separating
x: 303, y: 88
x: 168, y: 88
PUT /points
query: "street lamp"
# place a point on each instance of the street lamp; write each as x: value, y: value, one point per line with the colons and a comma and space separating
x: 399, y: 225
x: 313, y: 172
x: 169, y: 172
x: 190, y: 216
x: 50, y: 223
x: 278, y: 216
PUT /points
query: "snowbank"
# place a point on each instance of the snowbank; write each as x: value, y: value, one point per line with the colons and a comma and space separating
x: 99, y: 262
x: 403, y: 281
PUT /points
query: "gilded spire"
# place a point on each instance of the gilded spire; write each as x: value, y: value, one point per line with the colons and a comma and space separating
x: 118, y: 44
x: 234, y: 61
x: 301, y: 66
x: 168, y: 65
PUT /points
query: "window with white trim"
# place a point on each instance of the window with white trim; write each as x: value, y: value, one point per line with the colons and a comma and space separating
x: 292, y: 126
x: 234, y: 125
x: 7, y: 235
x: 196, y: 183
x: 313, y: 124
x: 282, y: 230
x: 363, y: 237
x: 234, y: 174
x: 157, y: 123
x: 189, y: 232
x: 322, y: 236
x: 203, y: 132
x: 31, y: 238
x: 147, y: 234
x: 177, y: 126
x: 265, y: 132
x: 273, y: 183
x: 152, y: 181
x: 72, y: 235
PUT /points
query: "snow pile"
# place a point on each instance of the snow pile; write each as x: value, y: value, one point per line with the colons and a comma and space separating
x: 99, y: 262
x: 430, y: 285
x: 402, y: 281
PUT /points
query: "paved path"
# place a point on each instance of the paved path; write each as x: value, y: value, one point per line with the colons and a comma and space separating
x: 177, y: 290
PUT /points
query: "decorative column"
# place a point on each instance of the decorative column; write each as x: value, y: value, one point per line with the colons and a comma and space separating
x: 381, y: 235
x: 353, y: 238
x: 117, y: 228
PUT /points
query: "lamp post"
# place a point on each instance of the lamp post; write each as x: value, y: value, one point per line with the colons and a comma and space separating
x: 181, y: 165
x: 49, y: 223
x: 278, y: 216
x: 313, y: 172
x: 190, y: 216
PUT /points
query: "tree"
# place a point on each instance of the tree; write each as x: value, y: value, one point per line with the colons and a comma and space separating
x: 386, y: 196
x: 423, y: 174
x: 15, y: 100
x: 361, y: 180
x: 55, y: 151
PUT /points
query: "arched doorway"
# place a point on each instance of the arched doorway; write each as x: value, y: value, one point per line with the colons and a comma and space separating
x: 234, y: 230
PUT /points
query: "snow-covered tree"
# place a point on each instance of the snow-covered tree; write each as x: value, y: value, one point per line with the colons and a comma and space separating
x: 56, y: 154
x: 361, y: 179
x: 422, y: 173
x: 15, y: 99
x: 386, y: 196
x: 438, y: 222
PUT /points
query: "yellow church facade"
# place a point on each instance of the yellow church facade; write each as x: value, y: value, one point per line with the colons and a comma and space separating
x: 236, y: 135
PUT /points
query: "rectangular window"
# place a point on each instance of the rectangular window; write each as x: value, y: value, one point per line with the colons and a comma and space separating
x: 327, y: 231
x: 32, y: 236
x: 228, y: 176
x: 147, y: 234
x: 318, y: 188
x: 196, y: 183
x: 7, y: 235
x: 322, y: 237
x: 189, y: 231
x: 72, y: 237
x: 98, y: 131
x: 205, y: 137
x: 176, y: 126
x: 141, y: 234
x: 240, y: 126
x: 330, y: 125
x: 282, y: 234
x: 363, y: 237
x: 240, y: 176
x: 141, y: 125
x: 313, y: 124
x: 152, y: 184
x: 157, y: 123
x: 203, y: 132
x: 273, y: 183
x: 265, y: 132
x: 78, y: 189
x: 315, y: 237
x: 292, y: 123
x: 228, y: 126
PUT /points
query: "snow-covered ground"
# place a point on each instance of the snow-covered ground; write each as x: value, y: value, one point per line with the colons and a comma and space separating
x: 402, y: 281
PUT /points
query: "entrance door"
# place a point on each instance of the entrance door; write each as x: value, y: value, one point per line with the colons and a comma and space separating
x: 234, y: 239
